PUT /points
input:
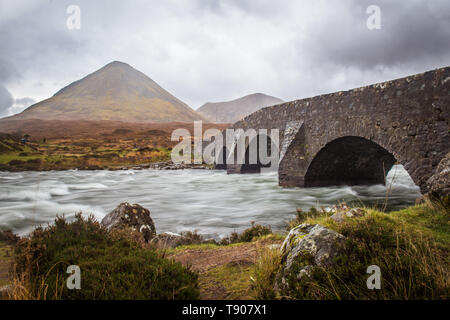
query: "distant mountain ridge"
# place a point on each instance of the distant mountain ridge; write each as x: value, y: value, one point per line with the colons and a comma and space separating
x: 235, y: 110
x: 115, y: 92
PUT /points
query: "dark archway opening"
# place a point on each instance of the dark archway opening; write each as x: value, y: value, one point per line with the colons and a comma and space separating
x: 248, y: 167
x: 349, y: 161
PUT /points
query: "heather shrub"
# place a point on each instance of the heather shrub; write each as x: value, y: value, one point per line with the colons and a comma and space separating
x: 112, y: 266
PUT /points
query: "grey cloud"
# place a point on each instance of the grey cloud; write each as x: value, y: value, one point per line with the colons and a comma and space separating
x: 25, y: 101
x: 6, y: 101
x: 9, y: 105
x: 20, y: 104
x: 218, y: 50
x: 35, y: 45
x: 263, y: 8
x: 7, y: 70
x: 411, y: 33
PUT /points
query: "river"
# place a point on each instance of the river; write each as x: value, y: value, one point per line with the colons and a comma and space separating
x: 209, y: 201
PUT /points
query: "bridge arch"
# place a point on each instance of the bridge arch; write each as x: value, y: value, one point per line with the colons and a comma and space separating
x: 345, y: 156
x: 349, y: 160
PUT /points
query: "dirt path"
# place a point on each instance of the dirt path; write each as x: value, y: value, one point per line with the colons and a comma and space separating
x: 224, y: 272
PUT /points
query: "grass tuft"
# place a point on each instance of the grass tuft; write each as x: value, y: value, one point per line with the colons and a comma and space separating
x: 264, y: 274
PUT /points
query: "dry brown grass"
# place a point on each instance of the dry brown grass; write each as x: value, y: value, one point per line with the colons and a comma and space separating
x: 264, y: 273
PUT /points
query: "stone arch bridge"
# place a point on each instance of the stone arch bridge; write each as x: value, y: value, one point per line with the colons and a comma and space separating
x: 355, y: 137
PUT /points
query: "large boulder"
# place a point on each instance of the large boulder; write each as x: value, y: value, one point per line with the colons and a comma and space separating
x: 439, y: 183
x: 307, y: 246
x: 134, y: 217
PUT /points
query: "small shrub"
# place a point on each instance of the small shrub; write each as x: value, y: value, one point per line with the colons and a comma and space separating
x: 112, y: 267
x: 255, y: 231
x: 232, y: 238
x: 191, y: 237
x: 248, y: 235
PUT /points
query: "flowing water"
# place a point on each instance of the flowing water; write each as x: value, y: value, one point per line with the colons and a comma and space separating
x: 209, y: 201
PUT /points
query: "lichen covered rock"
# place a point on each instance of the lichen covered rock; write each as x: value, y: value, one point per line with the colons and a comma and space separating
x: 134, y: 217
x: 305, y: 247
x: 439, y: 183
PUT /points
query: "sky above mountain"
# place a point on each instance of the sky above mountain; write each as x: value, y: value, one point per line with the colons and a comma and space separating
x: 203, y: 50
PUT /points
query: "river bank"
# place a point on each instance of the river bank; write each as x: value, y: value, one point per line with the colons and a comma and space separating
x: 81, y: 154
x: 35, y: 145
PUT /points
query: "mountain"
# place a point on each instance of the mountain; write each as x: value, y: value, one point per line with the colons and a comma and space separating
x: 235, y: 110
x: 115, y: 92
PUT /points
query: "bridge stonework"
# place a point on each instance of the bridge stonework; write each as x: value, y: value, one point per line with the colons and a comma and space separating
x: 356, y: 136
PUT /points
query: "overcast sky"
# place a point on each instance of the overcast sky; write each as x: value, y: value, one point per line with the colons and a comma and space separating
x: 211, y: 50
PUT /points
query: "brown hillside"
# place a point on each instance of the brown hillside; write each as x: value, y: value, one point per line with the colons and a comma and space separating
x: 52, y: 129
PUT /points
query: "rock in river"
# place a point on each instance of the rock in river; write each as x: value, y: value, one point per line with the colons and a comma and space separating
x: 135, y: 217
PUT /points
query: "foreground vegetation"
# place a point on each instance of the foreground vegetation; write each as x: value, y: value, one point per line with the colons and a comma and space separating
x: 410, y: 246
x: 112, y: 265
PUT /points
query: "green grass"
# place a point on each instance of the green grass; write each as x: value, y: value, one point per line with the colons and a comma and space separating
x: 5, y: 158
x: 428, y: 220
x: 235, y: 279
x: 253, y: 234
x: 201, y: 246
